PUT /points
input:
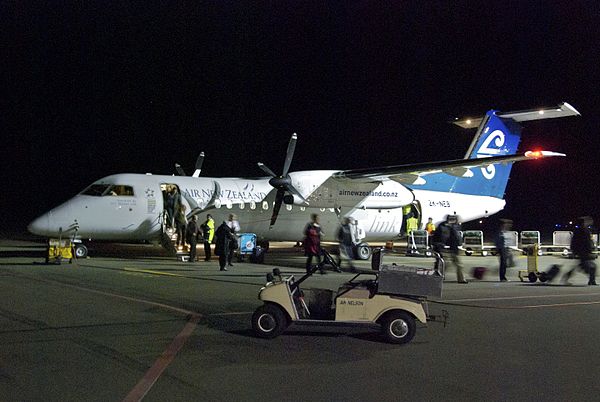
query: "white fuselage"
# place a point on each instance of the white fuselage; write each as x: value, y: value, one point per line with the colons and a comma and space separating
x: 377, y: 208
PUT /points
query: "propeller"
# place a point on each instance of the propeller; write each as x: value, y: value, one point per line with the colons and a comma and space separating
x: 199, y: 163
x: 179, y: 169
x: 283, y: 182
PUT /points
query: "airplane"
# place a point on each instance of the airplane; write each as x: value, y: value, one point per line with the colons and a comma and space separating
x: 130, y: 207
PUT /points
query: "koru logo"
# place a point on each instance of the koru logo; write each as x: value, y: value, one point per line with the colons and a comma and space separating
x: 491, y: 147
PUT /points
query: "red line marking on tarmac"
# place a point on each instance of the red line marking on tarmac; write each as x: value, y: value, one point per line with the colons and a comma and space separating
x: 142, y: 387
x: 163, y: 361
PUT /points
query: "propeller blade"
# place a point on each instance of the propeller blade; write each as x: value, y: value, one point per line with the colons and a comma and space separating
x: 179, y: 169
x: 295, y: 192
x: 289, y: 155
x: 277, y: 206
x: 199, y: 163
x: 266, y: 169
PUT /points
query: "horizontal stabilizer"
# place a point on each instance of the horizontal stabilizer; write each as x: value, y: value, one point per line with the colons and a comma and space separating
x: 562, y: 110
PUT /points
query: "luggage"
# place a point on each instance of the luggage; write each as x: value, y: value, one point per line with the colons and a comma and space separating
x: 549, y: 275
x: 258, y: 255
x: 479, y: 272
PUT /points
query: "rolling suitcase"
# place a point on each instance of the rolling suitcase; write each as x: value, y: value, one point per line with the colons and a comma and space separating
x: 551, y: 274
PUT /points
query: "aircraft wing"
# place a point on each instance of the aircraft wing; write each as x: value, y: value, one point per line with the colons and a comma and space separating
x: 412, y: 173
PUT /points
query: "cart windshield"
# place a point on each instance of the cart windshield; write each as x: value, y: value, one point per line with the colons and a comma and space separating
x: 100, y: 190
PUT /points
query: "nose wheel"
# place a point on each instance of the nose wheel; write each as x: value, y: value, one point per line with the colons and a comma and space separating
x: 81, y: 251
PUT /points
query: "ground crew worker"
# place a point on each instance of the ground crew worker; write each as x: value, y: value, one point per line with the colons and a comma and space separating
x: 412, y: 223
x: 430, y: 227
x: 208, y: 230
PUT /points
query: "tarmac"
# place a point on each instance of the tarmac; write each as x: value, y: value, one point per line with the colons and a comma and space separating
x: 131, y: 323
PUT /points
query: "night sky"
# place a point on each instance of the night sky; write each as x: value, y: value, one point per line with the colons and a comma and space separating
x: 96, y: 88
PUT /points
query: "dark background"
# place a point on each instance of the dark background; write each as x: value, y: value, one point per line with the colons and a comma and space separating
x: 96, y: 88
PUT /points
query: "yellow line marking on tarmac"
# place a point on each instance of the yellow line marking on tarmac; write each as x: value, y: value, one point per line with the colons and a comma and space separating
x: 151, y: 272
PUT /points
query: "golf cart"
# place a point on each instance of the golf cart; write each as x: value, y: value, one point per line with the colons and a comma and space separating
x: 390, y: 297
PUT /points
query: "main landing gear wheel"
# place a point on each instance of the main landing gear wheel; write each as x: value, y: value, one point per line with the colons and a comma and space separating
x: 363, y: 251
x: 398, y: 327
x: 268, y: 321
x: 81, y: 251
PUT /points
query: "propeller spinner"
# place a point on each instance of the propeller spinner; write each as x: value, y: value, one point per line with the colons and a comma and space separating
x: 283, y: 182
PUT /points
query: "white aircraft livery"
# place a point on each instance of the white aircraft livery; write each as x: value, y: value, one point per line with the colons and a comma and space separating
x: 131, y: 207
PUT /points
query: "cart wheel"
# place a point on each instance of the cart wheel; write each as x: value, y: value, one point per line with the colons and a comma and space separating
x: 268, y: 321
x: 363, y: 251
x: 543, y: 277
x: 398, y: 327
x: 532, y: 277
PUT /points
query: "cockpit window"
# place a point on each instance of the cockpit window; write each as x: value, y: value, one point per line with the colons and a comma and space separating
x: 121, y: 190
x: 100, y: 190
x: 96, y: 189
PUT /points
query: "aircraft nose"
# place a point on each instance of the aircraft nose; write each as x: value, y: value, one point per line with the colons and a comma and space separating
x: 39, y: 226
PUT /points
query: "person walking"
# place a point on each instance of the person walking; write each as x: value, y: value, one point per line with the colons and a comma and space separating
x: 346, y: 240
x: 582, y: 246
x: 234, y: 225
x: 192, y: 232
x: 170, y: 208
x: 224, y: 239
x: 446, y: 240
x: 312, y: 243
x: 504, y: 252
x: 180, y: 224
x: 208, y: 231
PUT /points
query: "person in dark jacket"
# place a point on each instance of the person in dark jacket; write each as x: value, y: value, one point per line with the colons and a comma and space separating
x: 224, y: 239
x: 312, y: 243
x: 504, y: 253
x: 192, y: 232
x: 446, y: 240
x: 346, y: 240
x: 582, y: 246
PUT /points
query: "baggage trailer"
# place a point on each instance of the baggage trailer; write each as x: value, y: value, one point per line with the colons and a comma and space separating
x: 530, y: 238
x: 473, y: 243
x: 392, y: 298
x: 418, y: 244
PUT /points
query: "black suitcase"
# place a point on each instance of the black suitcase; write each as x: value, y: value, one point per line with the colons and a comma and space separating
x: 549, y: 275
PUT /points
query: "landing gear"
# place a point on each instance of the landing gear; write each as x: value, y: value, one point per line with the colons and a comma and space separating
x: 81, y: 251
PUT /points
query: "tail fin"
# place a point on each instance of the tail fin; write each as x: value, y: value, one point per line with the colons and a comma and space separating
x: 498, y: 134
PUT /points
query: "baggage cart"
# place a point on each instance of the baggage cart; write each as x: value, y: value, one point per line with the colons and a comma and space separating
x: 529, y: 238
x: 473, y: 243
x: 401, y: 280
x: 418, y: 244
x: 59, y: 250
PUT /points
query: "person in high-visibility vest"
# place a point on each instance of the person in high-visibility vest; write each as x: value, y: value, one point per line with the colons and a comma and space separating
x: 208, y: 229
x: 430, y: 227
x: 412, y: 223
